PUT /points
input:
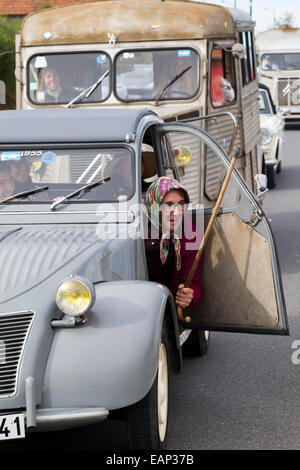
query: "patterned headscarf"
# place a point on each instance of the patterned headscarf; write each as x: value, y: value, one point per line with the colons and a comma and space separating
x: 153, y: 200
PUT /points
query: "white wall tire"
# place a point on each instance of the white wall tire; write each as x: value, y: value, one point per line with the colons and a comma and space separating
x: 162, y: 392
x: 147, y: 420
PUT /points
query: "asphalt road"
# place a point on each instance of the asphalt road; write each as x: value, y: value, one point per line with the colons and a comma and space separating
x: 245, y: 393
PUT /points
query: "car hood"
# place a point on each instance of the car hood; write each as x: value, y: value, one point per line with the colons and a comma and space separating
x: 30, y: 255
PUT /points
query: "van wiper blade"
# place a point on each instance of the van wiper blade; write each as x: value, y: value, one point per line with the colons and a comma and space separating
x: 88, y: 91
x: 168, y: 86
x: 24, y: 193
x: 77, y: 191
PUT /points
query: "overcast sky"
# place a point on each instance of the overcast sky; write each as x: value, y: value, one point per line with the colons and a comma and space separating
x: 263, y: 11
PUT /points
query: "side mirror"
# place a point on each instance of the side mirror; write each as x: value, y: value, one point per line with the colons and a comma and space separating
x: 261, y: 184
x: 238, y: 51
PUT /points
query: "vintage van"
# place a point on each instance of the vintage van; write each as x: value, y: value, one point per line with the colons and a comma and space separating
x: 84, y: 335
x: 180, y: 58
x: 279, y: 68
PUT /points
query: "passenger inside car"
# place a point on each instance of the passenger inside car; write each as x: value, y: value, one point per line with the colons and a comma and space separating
x: 7, y: 185
x: 20, y: 170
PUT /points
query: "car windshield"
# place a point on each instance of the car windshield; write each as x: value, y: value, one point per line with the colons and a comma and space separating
x: 59, y: 78
x: 285, y: 61
x: 143, y: 74
x: 63, y: 171
x: 264, y: 103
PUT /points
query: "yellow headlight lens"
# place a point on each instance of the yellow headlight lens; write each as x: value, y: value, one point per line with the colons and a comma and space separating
x: 74, y: 297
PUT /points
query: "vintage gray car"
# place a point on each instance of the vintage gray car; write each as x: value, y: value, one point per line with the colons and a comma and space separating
x: 84, y: 335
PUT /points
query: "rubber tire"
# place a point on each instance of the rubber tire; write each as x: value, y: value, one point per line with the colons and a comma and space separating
x: 270, y: 172
x: 142, y: 417
x: 196, y: 345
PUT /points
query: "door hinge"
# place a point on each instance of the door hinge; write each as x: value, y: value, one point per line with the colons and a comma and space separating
x: 255, y: 218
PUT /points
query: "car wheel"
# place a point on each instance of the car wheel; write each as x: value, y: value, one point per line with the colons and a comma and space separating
x: 197, y: 344
x: 270, y: 172
x: 147, y: 420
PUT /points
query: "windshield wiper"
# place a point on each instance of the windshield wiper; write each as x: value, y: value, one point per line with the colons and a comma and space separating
x: 24, y: 193
x: 166, y: 88
x: 77, y: 191
x: 88, y: 91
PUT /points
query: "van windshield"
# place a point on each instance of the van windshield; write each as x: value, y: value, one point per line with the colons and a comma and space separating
x: 286, y: 61
x: 63, y: 171
x: 265, y: 106
x: 59, y: 78
x: 143, y: 74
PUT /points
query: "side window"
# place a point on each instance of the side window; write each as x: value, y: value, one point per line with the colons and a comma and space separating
x: 248, y: 63
x: 222, y: 81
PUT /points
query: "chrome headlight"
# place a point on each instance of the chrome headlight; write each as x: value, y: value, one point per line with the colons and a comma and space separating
x: 75, y: 296
x: 266, y: 135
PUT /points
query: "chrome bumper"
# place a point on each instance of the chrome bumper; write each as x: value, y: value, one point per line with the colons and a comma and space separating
x: 56, y: 419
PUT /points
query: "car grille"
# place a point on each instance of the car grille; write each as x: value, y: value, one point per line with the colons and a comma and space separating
x: 289, y: 91
x: 14, y: 328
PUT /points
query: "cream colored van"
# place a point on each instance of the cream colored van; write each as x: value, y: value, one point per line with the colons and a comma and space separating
x: 182, y: 59
x: 279, y: 68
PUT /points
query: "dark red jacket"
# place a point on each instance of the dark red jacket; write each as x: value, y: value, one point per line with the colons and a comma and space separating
x: 190, y: 243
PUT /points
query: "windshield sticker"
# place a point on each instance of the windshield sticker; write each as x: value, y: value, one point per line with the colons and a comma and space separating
x: 40, y: 62
x: 40, y: 96
x: 184, y: 53
x: 31, y: 153
x: 48, y: 157
x: 128, y: 55
x: 101, y: 59
x: 10, y: 156
x: 33, y: 86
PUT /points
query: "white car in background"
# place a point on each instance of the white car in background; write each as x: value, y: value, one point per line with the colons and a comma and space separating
x: 272, y: 125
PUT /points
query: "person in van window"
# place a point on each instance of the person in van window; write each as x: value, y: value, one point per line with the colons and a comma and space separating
x: 227, y: 90
x: 266, y: 63
x: 222, y: 93
x: 51, y: 89
x: 168, y: 233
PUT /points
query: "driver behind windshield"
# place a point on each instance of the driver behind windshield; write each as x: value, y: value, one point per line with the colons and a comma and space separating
x: 51, y: 90
x: 7, y: 185
x: 20, y: 172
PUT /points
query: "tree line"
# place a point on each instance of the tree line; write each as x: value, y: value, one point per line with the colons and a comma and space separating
x: 8, y: 29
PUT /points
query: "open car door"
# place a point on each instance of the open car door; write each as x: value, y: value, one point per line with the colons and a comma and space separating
x: 242, y: 287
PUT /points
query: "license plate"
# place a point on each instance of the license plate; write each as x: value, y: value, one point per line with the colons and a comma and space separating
x: 12, y: 427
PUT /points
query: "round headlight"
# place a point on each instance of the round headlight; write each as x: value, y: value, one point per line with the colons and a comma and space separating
x: 75, y: 296
x: 266, y: 136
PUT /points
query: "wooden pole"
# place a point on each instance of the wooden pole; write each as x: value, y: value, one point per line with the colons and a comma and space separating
x: 189, y: 279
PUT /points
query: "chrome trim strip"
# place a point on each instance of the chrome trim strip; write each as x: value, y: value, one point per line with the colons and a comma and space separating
x: 54, y: 419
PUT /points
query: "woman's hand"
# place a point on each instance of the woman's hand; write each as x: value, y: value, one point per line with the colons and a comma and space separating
x: 184, y: 296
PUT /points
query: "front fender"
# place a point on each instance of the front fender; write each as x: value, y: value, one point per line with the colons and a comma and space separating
x: 111, y: 361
